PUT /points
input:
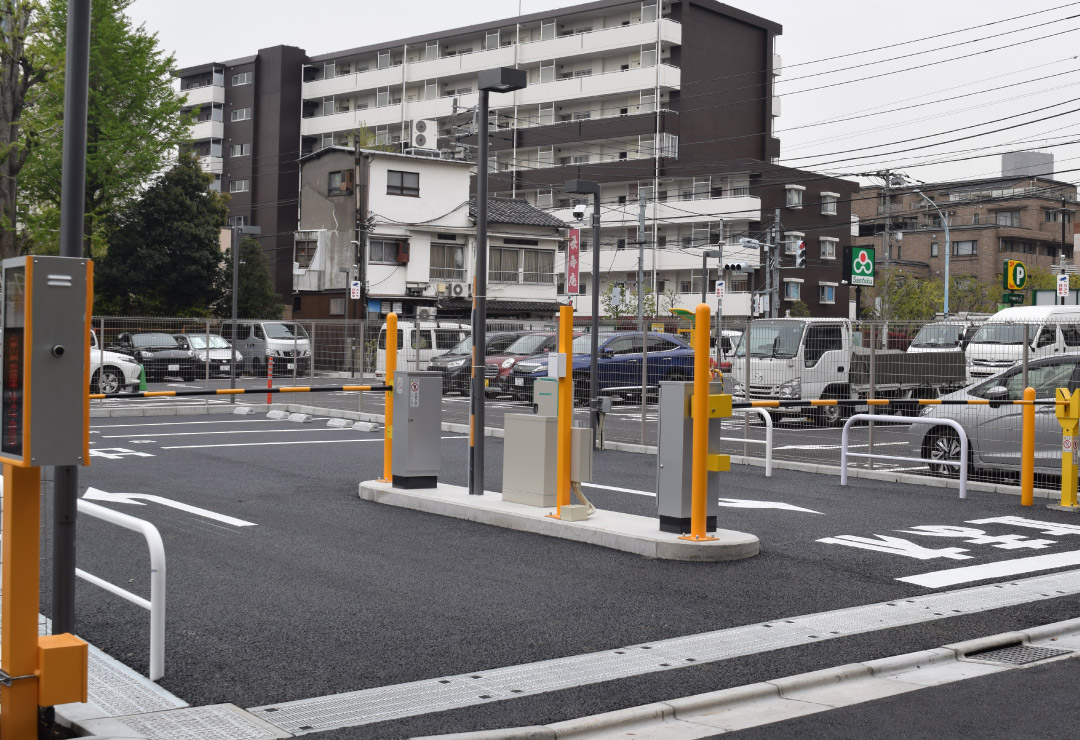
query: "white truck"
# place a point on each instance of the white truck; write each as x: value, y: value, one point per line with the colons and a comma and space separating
x: 810, y: 359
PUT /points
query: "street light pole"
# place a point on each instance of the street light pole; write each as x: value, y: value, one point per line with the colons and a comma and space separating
x: 948, y: 248
x: 237, y: 234
x: 590, y: 187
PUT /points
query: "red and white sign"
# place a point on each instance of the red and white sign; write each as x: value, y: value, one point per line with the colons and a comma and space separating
x: 1063, y: 286
x: 573, y: 256
x: 720, y: 290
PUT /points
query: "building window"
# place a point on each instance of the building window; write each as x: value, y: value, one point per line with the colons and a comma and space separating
x: 383, y: 251
x: 447, y: 262
x: 242, y: 78
x: 794, y: 195
x: 337, y: 306
x: 238, y: 186
x: 305, y: 252
x: 826, y: 293
x: 538, y: 266
x: 1007, y: 218
x: 240, y: 114
x: 828, y: 203
x: 791, y: 241
x: 403, y: 183
x: 1024, y: 247
x: 933, y: 249
x: 828, y: 248
x: 792, y: 290
x: 975, y: 219
x: 684, y: 286
x: 340, y: 183
x: 238, y: 220
x: 239, y: 150
x: 965, y: 248
x: 503, y: 265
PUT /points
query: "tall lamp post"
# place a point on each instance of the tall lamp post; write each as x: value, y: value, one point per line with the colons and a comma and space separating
x: 501, y: 80
x: 948, y: 248
x: 590, y: 187
x: 705, y: 254
x: 237, y: 235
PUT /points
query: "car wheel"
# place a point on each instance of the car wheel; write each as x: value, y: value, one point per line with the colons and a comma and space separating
x: 829, y: 416
x: 942, y: 444
x: 676, y: 377
x: 107, y: 380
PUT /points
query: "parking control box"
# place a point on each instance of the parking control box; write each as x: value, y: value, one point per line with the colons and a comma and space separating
x: 45, y: 357
x: 417, y: 428
x: 675, y: 456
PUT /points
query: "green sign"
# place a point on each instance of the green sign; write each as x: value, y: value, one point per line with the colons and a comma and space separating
x: 1013, y: 275
x: 1012, y: 299
x: 862, y: 266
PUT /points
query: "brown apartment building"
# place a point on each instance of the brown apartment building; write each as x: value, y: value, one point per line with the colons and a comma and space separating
x: 989, y: 221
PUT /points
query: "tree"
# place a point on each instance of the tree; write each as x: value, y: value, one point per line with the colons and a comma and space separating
x: 799, y: 310
x: 256, y: 298
x: 165, y: 256
x: 134, y: 124
x: 669, y: 299
x: 628, y: 306
x: 21, y: 70
x: 966, y: 293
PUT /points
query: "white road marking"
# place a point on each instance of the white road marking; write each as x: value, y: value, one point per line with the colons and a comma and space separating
x: 232, y: 431
x: 954, y: 576
x: 620, y: 490
x: 94, y: 494
x: 295, y: 442
x: 740, y: 503
x: 182, y: 423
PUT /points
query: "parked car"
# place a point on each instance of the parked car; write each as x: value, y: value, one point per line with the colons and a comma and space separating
x: 455, y: 367
x: 158, y: 353
x: 111, y: 372
x: 729, y: 340
x: 950, y: 336
x: 499, y: 365
x: 993, y: 430
x: 417, y: 345
x: 215, y: 356
x: 257, y: 341
x: 618, y: 365
x: 999, y: 343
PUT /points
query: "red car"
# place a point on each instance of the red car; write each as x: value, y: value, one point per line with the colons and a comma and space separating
x: 498, y: 367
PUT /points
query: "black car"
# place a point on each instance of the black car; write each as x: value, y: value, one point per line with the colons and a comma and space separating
x: 159, y: 354
x: 454, y: 365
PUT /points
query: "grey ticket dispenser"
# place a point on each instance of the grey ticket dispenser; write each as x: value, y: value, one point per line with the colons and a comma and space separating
x: 417, y: 428
x: 674, y: 456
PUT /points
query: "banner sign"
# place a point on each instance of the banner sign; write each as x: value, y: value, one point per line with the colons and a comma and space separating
x: 573, y: 255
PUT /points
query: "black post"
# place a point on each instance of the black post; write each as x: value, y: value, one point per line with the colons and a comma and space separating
x: 235, y: 301
x: 858, y: 302
x: 1062, y: 244
x: 479, y: 318
x: 594, y: 345
x: 72, y: 212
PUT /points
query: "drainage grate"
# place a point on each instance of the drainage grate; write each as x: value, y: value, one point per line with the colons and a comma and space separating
x: 1017, y: 654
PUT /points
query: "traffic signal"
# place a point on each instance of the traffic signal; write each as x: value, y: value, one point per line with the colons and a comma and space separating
x: 800, y: 254
x: 734, y: 266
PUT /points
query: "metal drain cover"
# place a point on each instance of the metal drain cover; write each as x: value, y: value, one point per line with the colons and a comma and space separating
x: 1017, y: 654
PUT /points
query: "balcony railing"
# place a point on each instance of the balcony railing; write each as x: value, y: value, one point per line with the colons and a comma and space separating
x: 454, y: 274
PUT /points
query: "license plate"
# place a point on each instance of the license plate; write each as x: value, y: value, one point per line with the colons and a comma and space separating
x: 487, y: 382
x: 224, y: 367
x: 290, y: 366
x: 174, y: 367
x: 519, y: 381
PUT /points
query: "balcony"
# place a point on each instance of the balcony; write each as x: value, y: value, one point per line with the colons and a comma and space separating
x: 350, y: 83
x: 449, y: 66
x: 610, y: 83
x: 599, y: 41
x: 207, y: 95
x: 207, y: 130
x: 211, y: 164
x: 737, y: 207
x: 369, y: 117
x: 666, y: 258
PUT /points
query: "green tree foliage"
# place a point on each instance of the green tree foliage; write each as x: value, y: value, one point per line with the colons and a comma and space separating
x: 22, y: 70
x: 628, y: 306
x: 1042, y: 279
x: 256, y: 298
x: 164, y: 255
x: 799, y: 310
x: 134, y: 125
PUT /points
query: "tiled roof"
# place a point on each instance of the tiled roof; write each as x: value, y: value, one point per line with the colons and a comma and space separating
x: 513, y: 211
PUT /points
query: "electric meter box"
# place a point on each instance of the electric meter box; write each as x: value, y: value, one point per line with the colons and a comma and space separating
x: 46, y: 360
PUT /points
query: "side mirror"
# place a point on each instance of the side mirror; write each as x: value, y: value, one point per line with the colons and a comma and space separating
x: 997, y: 396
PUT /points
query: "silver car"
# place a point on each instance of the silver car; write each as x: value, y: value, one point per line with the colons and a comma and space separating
x: 994, y: 429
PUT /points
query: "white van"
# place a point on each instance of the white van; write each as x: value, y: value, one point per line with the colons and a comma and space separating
x: 999, y: 343
x: 418, y: 344
x: 287, y: 342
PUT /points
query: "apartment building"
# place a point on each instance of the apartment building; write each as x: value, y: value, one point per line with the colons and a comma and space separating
x: 417, y: 253
x: 666, y: 102
x: 989, y: 221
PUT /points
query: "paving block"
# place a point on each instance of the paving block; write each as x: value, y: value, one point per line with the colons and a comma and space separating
x: 365, y: 426
x: 337, y: 423
x: 243, y: 410
x: 300, y: 418
x: 277, y: 414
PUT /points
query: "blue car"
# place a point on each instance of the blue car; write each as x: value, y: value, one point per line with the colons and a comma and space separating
x: 619, y: 365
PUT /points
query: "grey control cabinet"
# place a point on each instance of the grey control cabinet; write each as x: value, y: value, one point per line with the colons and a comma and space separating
x: 417, y: 428
x: 529, y: 459
x: 674, y: 456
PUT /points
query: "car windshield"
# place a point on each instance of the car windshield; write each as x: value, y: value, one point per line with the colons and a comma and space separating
x: 153, y: 340
x: 778, y: 339
x: 285, y: 331
x: 463, y: 347
x: 1002, y: 334
x: 939, y: 335
x: 529, y: 344
x: 583, y: 344
x: 198, y: 341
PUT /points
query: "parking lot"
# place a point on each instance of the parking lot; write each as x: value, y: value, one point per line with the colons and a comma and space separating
x: 318, y: 593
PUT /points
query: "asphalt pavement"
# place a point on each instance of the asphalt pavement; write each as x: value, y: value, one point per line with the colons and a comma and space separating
x: 324, y: 593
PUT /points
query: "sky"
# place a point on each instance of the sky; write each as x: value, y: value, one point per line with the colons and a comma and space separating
x: 1032, y: 89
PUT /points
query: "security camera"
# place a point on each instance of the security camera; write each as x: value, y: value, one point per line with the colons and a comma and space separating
x: 579, y: 211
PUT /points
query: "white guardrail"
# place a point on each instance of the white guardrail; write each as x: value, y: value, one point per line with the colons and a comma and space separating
x: 962, y: 463
x: 767, y: 418
x: 156, y: 604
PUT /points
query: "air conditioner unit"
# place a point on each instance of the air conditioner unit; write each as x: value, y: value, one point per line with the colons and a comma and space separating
x: 460, y: 290
x: 425, y: 313
x: 425, y: 134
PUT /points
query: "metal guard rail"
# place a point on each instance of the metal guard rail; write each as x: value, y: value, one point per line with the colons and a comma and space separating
x: 796, y: 403
x: 241, y: 391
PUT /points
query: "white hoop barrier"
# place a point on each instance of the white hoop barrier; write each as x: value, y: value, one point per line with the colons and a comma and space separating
x: 962, y: 463
x: 767, y: 418
x: 156, y: 604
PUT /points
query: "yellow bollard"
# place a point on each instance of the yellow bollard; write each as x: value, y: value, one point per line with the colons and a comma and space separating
x: 19, y: 620
x: 566, y: 413
x: 1027, y: 450
x: 699, y: 411
x: 388, y: 411
x: 1067, y: 410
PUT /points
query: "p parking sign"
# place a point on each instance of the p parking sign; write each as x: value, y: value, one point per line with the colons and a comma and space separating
x: 859, y: 265
x: 1013, y: 275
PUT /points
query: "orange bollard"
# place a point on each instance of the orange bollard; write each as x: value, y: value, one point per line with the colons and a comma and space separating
x: 269, y: 377
x: 566, y: 413
x: 388, y: 411
x: 1027, y: 450
x: 699, y: 412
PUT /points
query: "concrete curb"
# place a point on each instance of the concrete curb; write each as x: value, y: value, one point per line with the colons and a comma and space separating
x: 626, y: 532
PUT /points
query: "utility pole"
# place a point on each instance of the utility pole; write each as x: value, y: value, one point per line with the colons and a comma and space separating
x: 778, y: 238
x: 640, y: 312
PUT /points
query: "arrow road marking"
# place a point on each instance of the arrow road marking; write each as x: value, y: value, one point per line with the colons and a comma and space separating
x: 739, y: 503
x: 95, y: 494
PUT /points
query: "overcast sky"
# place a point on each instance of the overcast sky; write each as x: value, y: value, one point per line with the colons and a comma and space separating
x: 199, y: 31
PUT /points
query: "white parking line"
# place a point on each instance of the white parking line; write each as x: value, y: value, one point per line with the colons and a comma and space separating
x: 620, y: 490
x: 295, y: 442
x: 231, y: 431
x: 180, y: 423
